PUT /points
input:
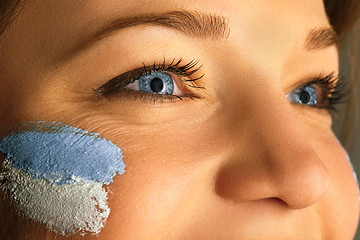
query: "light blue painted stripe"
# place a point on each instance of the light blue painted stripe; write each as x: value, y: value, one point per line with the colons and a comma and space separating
x: 62, y: 154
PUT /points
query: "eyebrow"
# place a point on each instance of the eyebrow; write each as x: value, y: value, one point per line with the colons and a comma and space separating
x: 196, y: 25
x: 191, y: 23
x: 319, y: 38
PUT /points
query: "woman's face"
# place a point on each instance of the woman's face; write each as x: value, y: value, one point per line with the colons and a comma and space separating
x: 235, y: 158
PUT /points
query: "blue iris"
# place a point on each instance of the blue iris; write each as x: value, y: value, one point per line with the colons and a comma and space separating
x: 156, y: 82
x: 304, y: 95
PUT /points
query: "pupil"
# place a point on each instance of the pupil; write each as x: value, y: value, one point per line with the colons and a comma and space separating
x: 156, y: 85
x: 304, y: 97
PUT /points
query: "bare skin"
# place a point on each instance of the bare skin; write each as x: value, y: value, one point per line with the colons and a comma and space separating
x: 240, y: 163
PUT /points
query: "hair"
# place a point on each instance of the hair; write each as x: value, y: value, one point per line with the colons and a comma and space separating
x: 9, y: 9
x: 342, y: 15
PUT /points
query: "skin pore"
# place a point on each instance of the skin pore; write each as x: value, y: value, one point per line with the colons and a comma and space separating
x: 239, y: 162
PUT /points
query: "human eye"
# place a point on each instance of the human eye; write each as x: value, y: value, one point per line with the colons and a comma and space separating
x: 320, y: 92
x: 165, y: 82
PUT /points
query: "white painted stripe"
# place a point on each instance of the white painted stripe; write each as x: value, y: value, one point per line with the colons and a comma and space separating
x: 65, y: 209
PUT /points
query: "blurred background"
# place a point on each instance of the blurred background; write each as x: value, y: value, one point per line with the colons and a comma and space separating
x: 347, y: 122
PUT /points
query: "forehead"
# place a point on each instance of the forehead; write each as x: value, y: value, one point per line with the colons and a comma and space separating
x: 46, y: 29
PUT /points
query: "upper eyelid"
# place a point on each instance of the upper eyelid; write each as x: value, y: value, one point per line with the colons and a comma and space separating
x: 312, y: 79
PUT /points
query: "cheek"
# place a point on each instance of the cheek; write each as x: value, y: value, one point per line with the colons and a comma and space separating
x: 162, y: 187
x: 342, y: 199
x: 150, y: 197
x: 55, y: 173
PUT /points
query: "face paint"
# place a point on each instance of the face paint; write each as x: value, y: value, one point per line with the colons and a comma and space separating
x: 64, y: 209
x: 56, y: 174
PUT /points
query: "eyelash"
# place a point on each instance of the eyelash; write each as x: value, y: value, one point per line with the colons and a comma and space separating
x: 333, y: 85
x: 185, y: 72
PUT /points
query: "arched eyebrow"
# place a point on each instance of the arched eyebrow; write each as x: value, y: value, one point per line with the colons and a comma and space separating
x: 319, y: 38
x: 201, y: 25
x: 193, y: 24
x: 190, y: 23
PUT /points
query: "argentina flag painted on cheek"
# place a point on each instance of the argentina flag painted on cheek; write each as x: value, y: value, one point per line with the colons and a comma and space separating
x: 56, y: 174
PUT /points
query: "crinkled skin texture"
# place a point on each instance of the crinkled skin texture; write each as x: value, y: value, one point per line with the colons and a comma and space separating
x: 240, y: 163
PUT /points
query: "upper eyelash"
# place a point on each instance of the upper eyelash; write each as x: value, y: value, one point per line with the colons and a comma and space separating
x: 335, y: 89
x: 183, y: 71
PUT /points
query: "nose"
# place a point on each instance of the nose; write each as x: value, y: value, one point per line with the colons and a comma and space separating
x: 275, y: 159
